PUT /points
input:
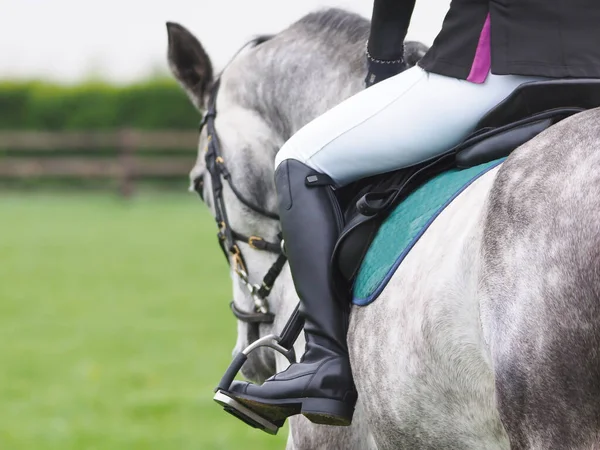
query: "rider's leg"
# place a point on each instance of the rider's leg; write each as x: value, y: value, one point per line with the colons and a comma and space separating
x: 321, y: 385
x: 396, y: 123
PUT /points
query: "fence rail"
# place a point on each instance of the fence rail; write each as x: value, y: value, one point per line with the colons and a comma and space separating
x: 146, y: 140
x: 133, y: 155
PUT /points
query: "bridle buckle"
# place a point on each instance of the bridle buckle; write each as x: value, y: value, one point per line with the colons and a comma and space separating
x: 261, y: 305
x: 238, y: 262
x: 253, y: 239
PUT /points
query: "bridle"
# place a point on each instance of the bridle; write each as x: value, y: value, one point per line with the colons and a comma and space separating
x: 229, y: 238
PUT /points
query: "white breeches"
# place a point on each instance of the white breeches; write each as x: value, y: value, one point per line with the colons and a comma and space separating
x: 404, y: 120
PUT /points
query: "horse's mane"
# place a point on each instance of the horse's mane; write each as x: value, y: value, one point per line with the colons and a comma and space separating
x: 352, y: 25
x: 323, y: 21
x: 286, y: 67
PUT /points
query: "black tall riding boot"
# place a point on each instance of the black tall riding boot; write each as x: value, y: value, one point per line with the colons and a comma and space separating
x: 320, y: 386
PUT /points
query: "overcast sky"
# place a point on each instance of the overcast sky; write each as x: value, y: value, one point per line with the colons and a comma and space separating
x: 122, y: 40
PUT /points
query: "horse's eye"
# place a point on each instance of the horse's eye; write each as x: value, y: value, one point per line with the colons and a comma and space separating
x: 199, y: 186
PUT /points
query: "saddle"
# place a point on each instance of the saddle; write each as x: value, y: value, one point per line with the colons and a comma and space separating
x: 532, y: 108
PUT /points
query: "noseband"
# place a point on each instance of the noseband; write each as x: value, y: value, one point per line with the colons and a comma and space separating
x: 229, y: 238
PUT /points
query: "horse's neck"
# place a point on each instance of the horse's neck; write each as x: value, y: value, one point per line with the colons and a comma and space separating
x: 321, y: 98
x: 287, y: 93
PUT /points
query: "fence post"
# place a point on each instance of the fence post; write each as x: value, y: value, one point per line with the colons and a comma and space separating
x: 127, y: 147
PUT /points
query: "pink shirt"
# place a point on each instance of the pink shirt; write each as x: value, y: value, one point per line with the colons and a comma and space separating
x: 483, y: 56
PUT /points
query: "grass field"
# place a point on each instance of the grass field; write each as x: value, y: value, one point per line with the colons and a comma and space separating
x: 114, y: 326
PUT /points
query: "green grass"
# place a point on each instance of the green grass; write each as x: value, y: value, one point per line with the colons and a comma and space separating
x: 114, y: 326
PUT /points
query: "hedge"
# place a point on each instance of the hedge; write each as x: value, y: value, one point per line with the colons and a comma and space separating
x: 153, y: 104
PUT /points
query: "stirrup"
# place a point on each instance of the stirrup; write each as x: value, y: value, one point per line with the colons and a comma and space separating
x: 283, y: 344
x: 246, y: 415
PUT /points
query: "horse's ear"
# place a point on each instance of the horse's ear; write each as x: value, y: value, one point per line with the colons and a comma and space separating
x: 414, y: 51
x: 189, y: 63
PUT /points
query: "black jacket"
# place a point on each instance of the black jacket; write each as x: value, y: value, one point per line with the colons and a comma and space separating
x: 551, y: 38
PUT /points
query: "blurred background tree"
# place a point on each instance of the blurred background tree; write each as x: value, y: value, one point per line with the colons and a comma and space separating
x: 155, y: 103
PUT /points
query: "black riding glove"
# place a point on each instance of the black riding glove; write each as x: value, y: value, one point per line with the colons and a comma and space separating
x: 385, y: 47
x: 379, y: 69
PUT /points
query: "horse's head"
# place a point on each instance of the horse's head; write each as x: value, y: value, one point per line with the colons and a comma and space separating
x: 266, y: 93
x: 234, y: 176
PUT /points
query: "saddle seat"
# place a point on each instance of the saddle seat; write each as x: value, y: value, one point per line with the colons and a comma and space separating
x: 532, y: 108
x: 528, y: 111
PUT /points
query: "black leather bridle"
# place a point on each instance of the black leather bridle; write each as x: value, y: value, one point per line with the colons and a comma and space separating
x: 229, y: 238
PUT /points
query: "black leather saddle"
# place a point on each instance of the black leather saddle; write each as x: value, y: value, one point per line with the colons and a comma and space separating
x: 532, y: 108
x: 528, y: 111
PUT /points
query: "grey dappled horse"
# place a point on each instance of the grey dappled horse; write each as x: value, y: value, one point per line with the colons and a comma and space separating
x: 487, y: 336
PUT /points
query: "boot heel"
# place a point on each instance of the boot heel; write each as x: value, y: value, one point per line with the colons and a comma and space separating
x: 327, y: 412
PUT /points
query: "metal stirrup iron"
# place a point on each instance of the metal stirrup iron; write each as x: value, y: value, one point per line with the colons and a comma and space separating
x: 283, y: 344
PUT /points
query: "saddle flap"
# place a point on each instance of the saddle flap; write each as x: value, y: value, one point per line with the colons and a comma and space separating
x: 500, y: 144
x: 348, y: 253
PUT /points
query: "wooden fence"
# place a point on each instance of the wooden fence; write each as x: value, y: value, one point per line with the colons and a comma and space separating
x: 126, y: 155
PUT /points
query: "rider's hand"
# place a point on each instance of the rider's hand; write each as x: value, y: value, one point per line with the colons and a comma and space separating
x: 378, y: 69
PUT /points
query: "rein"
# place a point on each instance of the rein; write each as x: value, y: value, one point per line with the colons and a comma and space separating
x: 229, y: 238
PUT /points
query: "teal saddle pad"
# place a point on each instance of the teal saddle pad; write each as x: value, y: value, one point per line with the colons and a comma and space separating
x: 401, y: 230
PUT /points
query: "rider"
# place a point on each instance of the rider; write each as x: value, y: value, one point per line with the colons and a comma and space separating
x: 486, y: 49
